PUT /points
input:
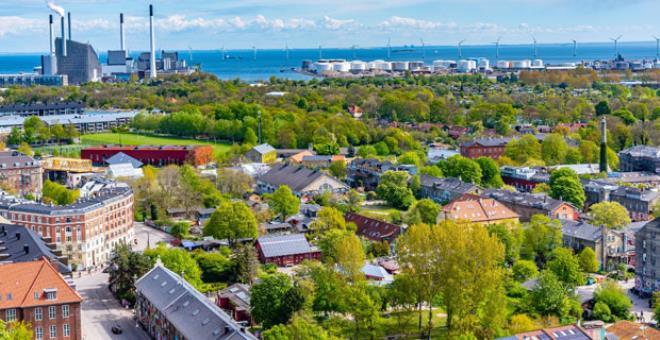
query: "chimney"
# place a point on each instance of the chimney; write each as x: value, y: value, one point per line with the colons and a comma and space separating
x: 69, y: 19
x: 18, y: 235
x: 121, y: 32
x: 52, y: 33
x: 63, y: 37
x: 26, y: 248
x: 152, y: 73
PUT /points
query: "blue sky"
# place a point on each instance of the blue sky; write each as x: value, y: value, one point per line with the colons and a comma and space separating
x: 235, y: 24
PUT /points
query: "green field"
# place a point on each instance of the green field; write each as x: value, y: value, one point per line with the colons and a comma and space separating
x: 135, y: 139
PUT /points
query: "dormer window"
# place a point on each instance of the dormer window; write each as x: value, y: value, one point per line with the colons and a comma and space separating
x: 51, y: 293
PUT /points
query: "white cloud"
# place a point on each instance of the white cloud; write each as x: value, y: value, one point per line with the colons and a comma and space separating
x: 17, y: 25
x: 402, y: 22
x: 336, y: 24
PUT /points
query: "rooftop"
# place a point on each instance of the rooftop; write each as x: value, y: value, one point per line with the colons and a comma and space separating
x: 297, y: 178
x: 580, y: 230
x: 264, y: 148
x: 372, y: 228
x: 20, y: 244
x: 283, y: 245
x: 122, y: 158
x: 538, y: 201
x: 477, y: 209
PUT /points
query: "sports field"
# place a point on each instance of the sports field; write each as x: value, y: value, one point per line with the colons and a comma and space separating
x: 135, y: 139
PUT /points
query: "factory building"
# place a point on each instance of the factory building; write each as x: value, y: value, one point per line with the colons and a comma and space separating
x: 31, y: 79
x: 80, y: 64
x: 42, y: 109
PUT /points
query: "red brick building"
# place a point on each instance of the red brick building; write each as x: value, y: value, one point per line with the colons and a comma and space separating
x: 484, y: 147
x: 286, y: 250
x: 34, y: 292
x: 373, y: 229
x: 153, y: 155
x: 235, y: 300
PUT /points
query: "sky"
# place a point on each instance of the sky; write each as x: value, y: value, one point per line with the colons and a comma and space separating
x: 273, y: 24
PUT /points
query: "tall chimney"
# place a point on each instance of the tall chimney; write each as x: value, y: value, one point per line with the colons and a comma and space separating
x: 121, y: 32
x: 69, y: 22
x: 603, y: 145
x: 152, y: 73
x: 63, y: 37
x: 52, y: 33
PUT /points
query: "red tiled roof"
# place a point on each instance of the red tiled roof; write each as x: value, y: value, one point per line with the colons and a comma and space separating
x: 21, y: 282
x: 477, y: 209
x: 373, y: 229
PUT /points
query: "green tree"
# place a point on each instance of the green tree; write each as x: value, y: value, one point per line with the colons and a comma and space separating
x: 329, y: 218
x: 271, y: 302
x: 490, y: 173
x: 179, y: 261
x: 523, y: 149
x: 524, y: 270
x: 216, y: 267
x: 612, y: 215
x: 180, y: 229
x: 549, y: 295
x: 338, y: 169
x: 424, y: 211
x: 511, y: 236
x: 354, y: 200
x: 250, y: 138
x: 231, y: 221
x: 553, y: 149
x: 568, y: 189
x: 566, y: 267
x: 125, y: 266
x: 588, y: 260
x: 541, y: 237
x: 300, y: 327
x: 25, y: 149
x: 17, y: 330
x: 602, y: 312
x: 393, y: 188
x: 602, y: 108
x: 283, y: 202
x: 460, y: 167
x: 350, y: 257
x: 411, y: 158
x: 611, y: 294
x: 521, y: 323
x: 245, y: 264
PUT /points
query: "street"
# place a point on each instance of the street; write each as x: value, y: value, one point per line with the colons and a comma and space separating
x: 639, y: 305
x: 146, y: 235
x: 100, y: 310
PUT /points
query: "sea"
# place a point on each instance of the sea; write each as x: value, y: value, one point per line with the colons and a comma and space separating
x: 251, y: 66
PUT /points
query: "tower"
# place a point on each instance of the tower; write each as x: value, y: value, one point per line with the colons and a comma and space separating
x: 603, y: 145
x: 152, y: 57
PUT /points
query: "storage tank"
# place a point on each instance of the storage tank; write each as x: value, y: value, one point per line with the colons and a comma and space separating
x: 466, y: 65
x: 503, y: 64
x: 322, y: 67
x: 400, y: 66
x: 484, y: 63
x: 416, y: 65
x: 306, y: 64
x: 358, y: 66
x: 383, y: 65
x: 537, y: 63
x: 341, y: 66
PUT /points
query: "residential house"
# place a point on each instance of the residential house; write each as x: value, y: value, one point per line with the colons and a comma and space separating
x: 640, y: 158
x: 524, y: 179
x: 20, y: 244
x: 302, y: 181
x: 286, y: 250
x: 263, y: 153
x: 366, y: 172
x: 634, y: 178
x: 355, y: 111
x: 586, y: 331
x: 647, y: 262
x: 443, y: 190
x: 298, y: 158
x: 168, y: 307
x: 36, y: 293
x: 20, y: 173
x: 321, y: 161
x: 527, y: 205
x: 484, y: 147
x: 235, y: 301
x: 596, y: 191
x: 639, y: 202
x: 625, y: 329
x: 373, y: 229
x: 608, y: 244
x: 377, y: 275
x: 477, y: 209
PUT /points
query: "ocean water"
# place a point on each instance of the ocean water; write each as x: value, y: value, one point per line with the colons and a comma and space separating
x: 245, y: 65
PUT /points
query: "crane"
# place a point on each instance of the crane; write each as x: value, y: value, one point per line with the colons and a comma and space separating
x: 497, y: 48
x: 574, y: 47
x: 423, y: 48
x: 460, y: 52
x: 534, y: 47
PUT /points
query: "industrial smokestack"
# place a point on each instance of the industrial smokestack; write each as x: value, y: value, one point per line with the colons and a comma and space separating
x: 63, y: 37
x: 69, y: 22
x: 603, y: 145
x: 52, y: 35
x: 121, y: 32
x: 152, y: 73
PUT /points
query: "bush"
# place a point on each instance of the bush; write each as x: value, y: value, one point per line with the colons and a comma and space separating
x: 602, y: 312
x: 611, y: 294
x: 524, y: 270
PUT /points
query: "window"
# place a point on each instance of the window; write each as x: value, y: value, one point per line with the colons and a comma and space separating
x: 38, y: 314
x: 66, y: 330
x: 39, y: 333
x: 65, y: 311
x: 53, y: 331
x: 52, y: 312
x: 10, y: 315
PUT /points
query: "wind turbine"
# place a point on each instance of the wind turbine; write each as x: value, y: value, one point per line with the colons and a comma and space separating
x: 497, y: 48
x: 616, y: 45
x: 254, y: 52
x: 190, y: 53
x: 574, y: 47
x: 353, y: 50
x: 222, y: 51
x: 389, y: 48
x: 657, y: 48
x: 423, y: 49
x: 535, y: 53
x: 286, y: 50
x: 320, y: 52
x: 460, y: 52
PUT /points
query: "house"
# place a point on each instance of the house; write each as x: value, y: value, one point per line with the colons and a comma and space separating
x: 195, y: 155
x: 639, y: 202
x: 298, y: 158
x: 263, y: 153
x: 303, y: 220
x: 625, y: 329
x: 608, y: 244
x: 586, y: 331
x: 484, y: 147
x: 634, y: 177
x: 377, y: 275
x: 640, y: 158
x: 443, y: 190
x: 124, y: 170
x: 596, y: 191
x: 35, y: 292
x: 302, y: 181
x: 527, y: 205
x: 321, y: 161
x: 355, y: 111
x: 235, y: 301
x: 366, y: 172
x: 524, y: 179
x: 21, y: 244
x: 122, y: 158
x: 286, y: 250
x: 647, y: 262
x: 20, y: 173
x: 435, y: 155
x: 168, y: 307
x: 477, y: 209
x: 373, y: 229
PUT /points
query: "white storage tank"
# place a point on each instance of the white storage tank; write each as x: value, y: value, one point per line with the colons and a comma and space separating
x: 416, y: 65
x: 358, y: 66
x: 503, y: 64
x: 322, y: 66
x: 400, y: 66
x: 466, y: 65
x: 383, y: 65
x: 341, y: 66
x: 484, y: 63
x: 537, y: 63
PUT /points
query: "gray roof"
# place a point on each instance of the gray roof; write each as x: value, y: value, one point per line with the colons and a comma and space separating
x: 297, y: 178
x: 538, y: 201
x: 121, y: 158
x: 500, y: 141
x: 641, y: 151
x: 580, y: 230
x: 97, y: 117
x: 635, y: 193
x: 449, y: 184
x: 15, y: 159
x: 317, y: 158
x: 103, y: 197
x: 263, y: 148
x: 14, y: 247
x: 188, y: 310
x: 283, y: 245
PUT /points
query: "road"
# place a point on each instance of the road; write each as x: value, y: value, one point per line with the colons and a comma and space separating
x: 100, y: 310
x: 639, y: 305
x: 148, y: 236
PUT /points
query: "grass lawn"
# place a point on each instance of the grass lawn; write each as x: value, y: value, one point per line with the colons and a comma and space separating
x: 405, y: 323
x: 379, y: 212
x: 135, y: 139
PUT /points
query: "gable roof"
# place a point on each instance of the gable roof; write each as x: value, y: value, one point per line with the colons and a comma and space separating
x: 580, y: 230
x: 450, y: 184
x: 263, y: 148
x: 15, y: 247
x: 537, y: 201
x: 297, y: 178
x: 122, y: 158
x: 188, y: 310
x: 283, y: 245
x: 477, y: 209
x: 372, y: 228
x: 21, y: 282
